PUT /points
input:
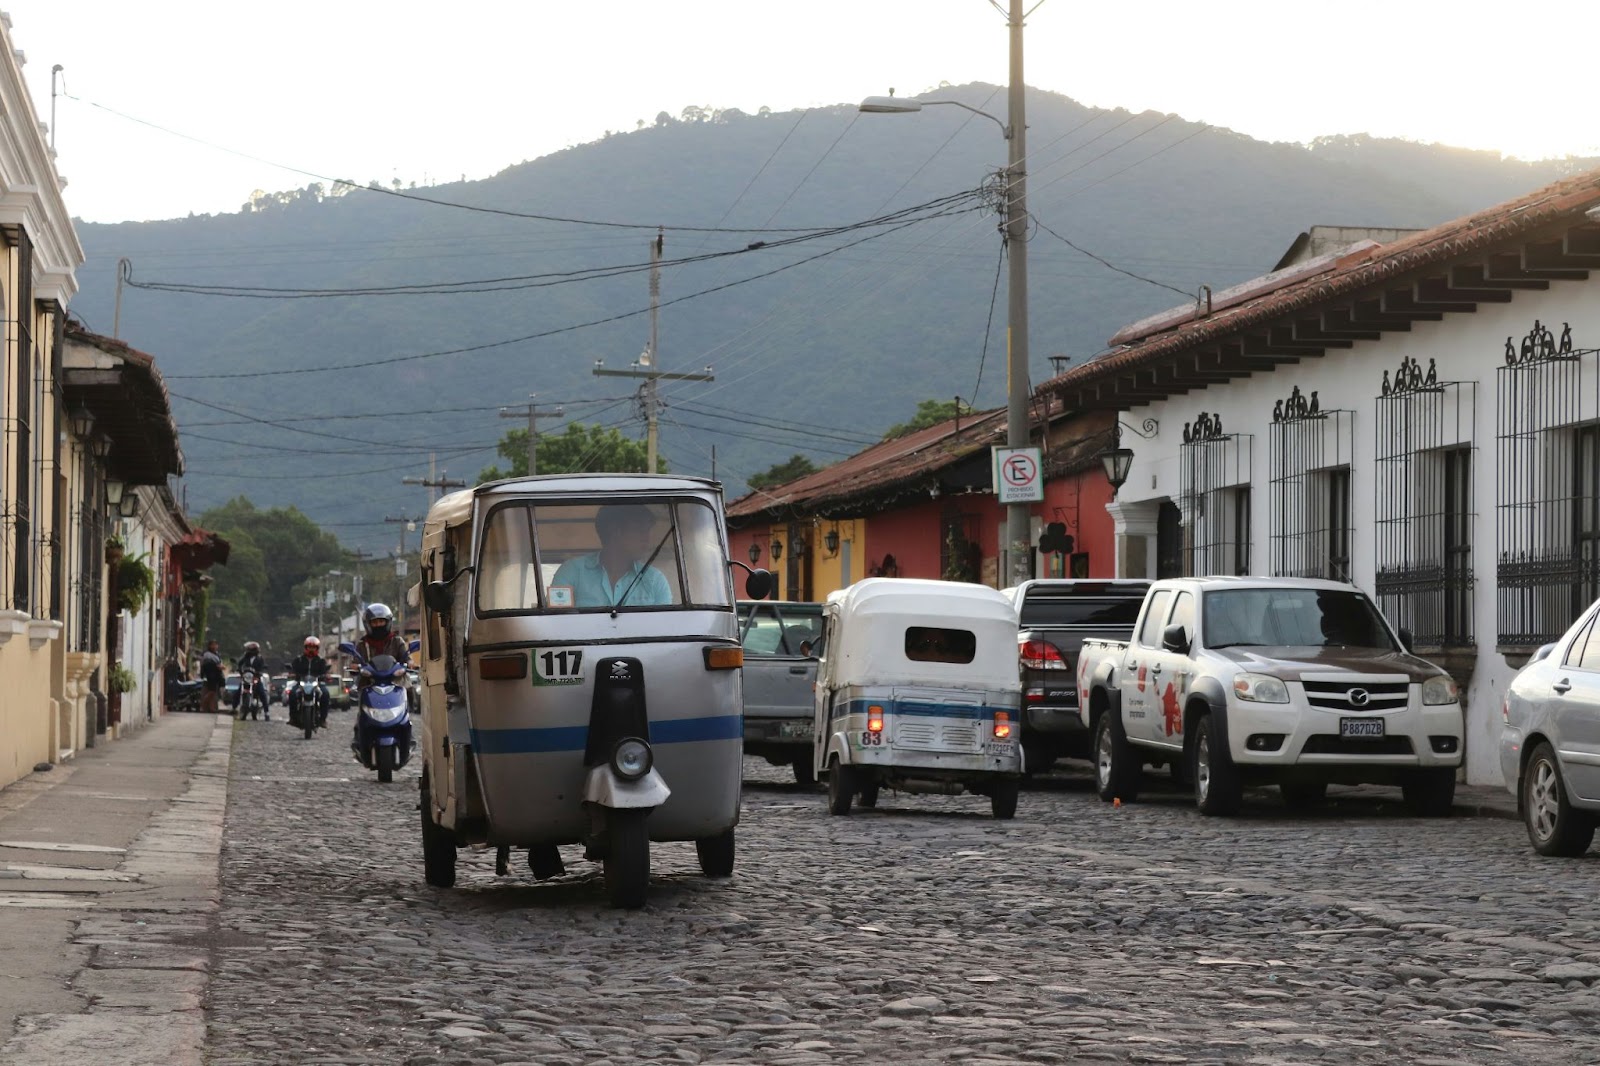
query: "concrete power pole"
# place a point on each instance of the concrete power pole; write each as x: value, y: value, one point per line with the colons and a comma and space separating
x: 436, y: 482
x: 532, y: 412
x: 648, y: 365
x: 406, y: 522
x: 1018, y: 533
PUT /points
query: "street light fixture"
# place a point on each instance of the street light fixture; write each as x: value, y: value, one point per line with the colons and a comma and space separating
x: 754, y: 553
x: 777, y: 549
x: 1018, y: 390
x: 114, y: 490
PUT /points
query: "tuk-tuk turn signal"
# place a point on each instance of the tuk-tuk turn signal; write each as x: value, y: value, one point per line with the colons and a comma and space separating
x: 874, y: 719
x: 724, y: 658
x: 1002, y: 724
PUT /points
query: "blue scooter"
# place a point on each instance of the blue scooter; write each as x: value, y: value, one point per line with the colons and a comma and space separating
x: 383, y: 721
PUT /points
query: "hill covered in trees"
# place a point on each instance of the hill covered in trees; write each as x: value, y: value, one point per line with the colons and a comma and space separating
x: 817, y: 343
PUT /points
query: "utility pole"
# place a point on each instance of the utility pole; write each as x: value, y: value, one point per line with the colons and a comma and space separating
x: 434, y: 481
x: 406, y: 522
x: 648, y: 365
x: 1017, y: 386
x: 532, y: 411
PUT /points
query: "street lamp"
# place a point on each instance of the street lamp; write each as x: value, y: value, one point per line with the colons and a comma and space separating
x: 1118, y: 460
x: 1018, y: 518
x: 754, y: 553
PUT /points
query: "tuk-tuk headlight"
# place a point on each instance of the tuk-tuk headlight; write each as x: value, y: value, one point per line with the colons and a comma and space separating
x: 631, y: 758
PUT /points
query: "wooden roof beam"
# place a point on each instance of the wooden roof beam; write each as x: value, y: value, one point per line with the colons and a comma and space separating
x: 1444, y: 290
x: 1405, y: 302
x: 1486, y: 275
x: 1310, y: 331
x: 1340, y: 322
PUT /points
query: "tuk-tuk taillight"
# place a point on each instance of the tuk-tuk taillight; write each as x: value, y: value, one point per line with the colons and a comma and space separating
x: 874, y: 719
x: 1002, y: 724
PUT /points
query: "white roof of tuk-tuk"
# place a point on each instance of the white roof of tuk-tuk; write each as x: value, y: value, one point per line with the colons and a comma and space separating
x: 915, y: 596
x: 869, y: 646
x: 456, y: 508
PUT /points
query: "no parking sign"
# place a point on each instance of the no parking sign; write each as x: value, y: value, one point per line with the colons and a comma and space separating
x: 1018, y: 475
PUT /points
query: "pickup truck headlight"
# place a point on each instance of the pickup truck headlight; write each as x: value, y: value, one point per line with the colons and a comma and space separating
x: 1439, y: 690
x: 1259, y: 688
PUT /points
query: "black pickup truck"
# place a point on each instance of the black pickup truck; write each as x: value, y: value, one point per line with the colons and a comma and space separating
x: 1056, y: 617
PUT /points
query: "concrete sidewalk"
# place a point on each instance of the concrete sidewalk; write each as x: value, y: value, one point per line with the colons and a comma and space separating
x: 108, y: 898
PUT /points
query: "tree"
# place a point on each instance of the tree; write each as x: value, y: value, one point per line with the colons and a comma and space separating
x: 929, y: 413
x: 580, y: 449
x: 791, y: 469
x: 663, y: 119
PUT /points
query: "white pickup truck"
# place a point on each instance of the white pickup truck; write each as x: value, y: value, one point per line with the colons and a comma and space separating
x: 1286, y: 681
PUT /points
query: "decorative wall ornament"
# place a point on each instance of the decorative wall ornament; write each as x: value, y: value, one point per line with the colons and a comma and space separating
x: 1295, y: 407
x: 1540, y: 344
x: 1206, y: 427
x: 1410, y: 378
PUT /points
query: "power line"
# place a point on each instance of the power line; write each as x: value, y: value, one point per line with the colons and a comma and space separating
x: 988, y: 326
x: 809, y: 431
x: 435, y: 201
x: 825, y: 154
x: 1105, y: 262
x: 389, y: 360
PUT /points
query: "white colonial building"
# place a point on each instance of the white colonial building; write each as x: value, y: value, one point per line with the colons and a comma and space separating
x: 1419, y: 416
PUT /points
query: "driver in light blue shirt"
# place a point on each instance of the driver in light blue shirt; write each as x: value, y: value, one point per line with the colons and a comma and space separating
x: 627, y: 537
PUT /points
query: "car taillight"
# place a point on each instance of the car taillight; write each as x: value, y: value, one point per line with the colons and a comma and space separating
x: 1041, y: 655
x: 1002, y: 724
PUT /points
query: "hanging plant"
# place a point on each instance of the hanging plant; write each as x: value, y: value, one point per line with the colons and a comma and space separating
x: 120, y: 679
x: 114, y: 550
x: 136, y: 582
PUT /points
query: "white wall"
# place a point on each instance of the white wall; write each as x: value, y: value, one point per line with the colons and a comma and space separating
x: 1467, y: 347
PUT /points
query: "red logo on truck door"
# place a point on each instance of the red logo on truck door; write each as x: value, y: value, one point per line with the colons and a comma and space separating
x: 1170, y: 711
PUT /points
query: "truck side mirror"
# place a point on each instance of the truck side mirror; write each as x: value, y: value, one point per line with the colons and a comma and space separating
x: 758, y: 585
x: 439, y: 595
x: 1175, y: 639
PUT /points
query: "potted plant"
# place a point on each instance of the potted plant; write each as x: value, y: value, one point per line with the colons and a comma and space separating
x: 120, y: 679
x: 136, y: 582
x: 114, y: 550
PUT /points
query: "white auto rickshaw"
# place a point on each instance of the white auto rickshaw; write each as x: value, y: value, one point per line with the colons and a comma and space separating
x: 580, y: 675
x: 917, y: 690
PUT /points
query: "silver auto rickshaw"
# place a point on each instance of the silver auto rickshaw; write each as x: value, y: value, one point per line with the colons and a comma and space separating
x: 580, y: 675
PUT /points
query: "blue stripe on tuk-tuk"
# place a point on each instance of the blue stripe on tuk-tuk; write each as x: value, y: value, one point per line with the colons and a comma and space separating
x: 576, y: 737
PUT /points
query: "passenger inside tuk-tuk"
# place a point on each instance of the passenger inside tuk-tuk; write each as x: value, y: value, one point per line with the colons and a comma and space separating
x: 588, y: 556
x: 619, y: 571
x: 928, y: 644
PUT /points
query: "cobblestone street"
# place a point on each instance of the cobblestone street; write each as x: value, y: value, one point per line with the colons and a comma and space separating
x: 924, y: 931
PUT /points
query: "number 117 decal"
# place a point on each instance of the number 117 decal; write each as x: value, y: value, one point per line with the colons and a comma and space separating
x: 559, y: 667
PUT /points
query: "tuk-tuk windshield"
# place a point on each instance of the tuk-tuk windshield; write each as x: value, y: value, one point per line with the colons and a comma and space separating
x: 586, y: 555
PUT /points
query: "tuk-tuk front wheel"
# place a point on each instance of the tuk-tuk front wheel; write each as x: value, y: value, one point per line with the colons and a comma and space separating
x: 716, y: 854
x: 627, y: 861
x: 1003, y: 798
x: 841, y: 787
x: 438, y: 849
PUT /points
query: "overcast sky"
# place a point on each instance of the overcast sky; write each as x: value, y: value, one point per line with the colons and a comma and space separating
x: 435, y: 91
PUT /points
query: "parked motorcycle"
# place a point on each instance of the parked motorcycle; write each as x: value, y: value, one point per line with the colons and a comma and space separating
x: 183, y: 696
x: 383, y: 715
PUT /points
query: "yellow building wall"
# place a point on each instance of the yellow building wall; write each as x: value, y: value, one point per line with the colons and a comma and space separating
x: 26, y: 709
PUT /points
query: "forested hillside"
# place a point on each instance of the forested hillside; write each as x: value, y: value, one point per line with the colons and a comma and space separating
x: 848, y: 342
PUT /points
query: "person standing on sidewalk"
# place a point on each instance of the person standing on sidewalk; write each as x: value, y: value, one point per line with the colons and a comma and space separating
x: 211, y: 678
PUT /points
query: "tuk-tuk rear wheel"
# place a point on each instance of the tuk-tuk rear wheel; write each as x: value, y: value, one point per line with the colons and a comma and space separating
x: 438, y: 849
x: 841, y: 787
x: 867, y: 794
x: 627, y: 861
x: 716, y: 854
x: 1003, y: 798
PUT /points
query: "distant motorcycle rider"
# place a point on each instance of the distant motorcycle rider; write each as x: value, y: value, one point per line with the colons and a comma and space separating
x: 309, y: 667
x: 251, y: 660
x: 378, y: 638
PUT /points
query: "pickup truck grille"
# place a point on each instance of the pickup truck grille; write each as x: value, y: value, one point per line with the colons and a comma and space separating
x: 1357, y: 696
x: 924, y: 735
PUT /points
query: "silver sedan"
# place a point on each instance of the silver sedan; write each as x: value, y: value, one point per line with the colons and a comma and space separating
x: 1550, y: 745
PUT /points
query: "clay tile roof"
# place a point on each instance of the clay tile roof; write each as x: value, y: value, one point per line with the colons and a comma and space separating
x: 884, y: 467
x: 1329, y: 279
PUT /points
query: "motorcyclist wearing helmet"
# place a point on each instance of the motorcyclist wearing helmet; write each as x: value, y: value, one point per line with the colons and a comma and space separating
x: 309, y: 666
x: 251, y: 659
x: 378, y: 637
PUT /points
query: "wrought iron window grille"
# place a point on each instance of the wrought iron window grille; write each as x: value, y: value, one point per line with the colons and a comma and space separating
x: 1214, y: 470
x: 1310, y: 452
x: 1426, y: 436
x: 1548, y: 486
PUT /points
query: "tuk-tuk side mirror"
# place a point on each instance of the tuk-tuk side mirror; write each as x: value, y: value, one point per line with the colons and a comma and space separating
x: 758, y: 585
x: 1175, y: 639
x: 438, y: 595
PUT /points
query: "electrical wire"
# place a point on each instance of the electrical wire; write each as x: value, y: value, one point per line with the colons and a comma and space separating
x: 988, y: 326
x: 391, y: 360
x: 825, y: 154
x: 435, y: 201
x: 1106, y: 262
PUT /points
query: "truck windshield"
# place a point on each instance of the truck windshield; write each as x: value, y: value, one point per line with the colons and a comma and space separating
x: 1291, y: 617
x: 579, y: 556
x: 1121, y: 611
